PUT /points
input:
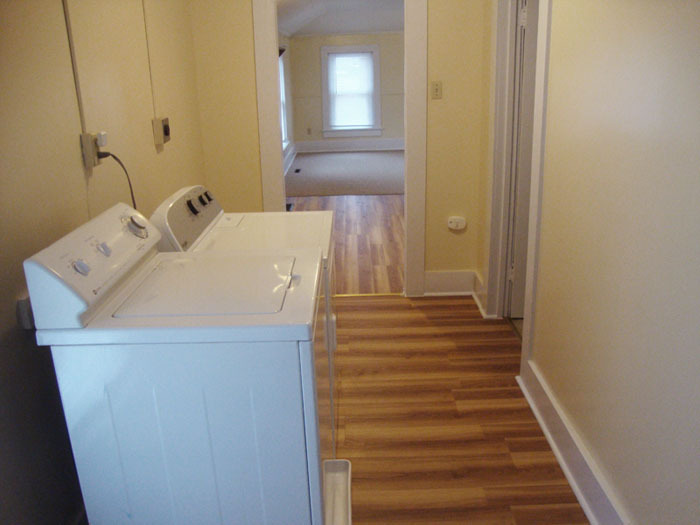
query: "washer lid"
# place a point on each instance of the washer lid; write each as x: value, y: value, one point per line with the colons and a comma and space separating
x: 210, y: 285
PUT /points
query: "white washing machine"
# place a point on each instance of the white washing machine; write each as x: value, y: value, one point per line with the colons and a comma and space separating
x: 191, y: 219
x: 195, y: 385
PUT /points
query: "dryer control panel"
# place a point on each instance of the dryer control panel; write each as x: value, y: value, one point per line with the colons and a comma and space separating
x: 184, y: 217
x: 71, y: 276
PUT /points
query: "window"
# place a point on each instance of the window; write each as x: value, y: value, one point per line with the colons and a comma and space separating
x: 283, y: 105
x: 351, y: 91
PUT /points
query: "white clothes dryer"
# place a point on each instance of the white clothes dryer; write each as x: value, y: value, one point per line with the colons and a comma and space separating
x: 191, y: 219
x: 195, y: 385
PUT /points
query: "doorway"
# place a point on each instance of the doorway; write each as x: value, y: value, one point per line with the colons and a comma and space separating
x: 346, y: 142
x: 516, y: 72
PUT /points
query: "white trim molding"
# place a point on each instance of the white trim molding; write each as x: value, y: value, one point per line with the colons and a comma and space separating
x: 268, y: 93
x: 328, y: 146
x: 288, y: 156
x: 502, y: 143
x: 360, y: 132
x: 594, y: 493
x: 415, y: 119
x: 480, y: 297
x: 450, y: 282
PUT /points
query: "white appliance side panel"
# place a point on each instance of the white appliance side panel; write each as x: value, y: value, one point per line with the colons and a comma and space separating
x: 329, y: 285
x: 313, y: 438
x: 188, y: 433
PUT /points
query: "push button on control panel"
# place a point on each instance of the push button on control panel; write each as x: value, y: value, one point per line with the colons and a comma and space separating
x: 104, y: 249
x: 192, y: 207
x: 81, y: 267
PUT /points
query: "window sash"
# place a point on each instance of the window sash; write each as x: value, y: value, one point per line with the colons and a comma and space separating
x: 351, y: 90
x: 351, y: 97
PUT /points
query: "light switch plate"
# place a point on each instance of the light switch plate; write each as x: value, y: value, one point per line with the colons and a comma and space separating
x: 436, y: 90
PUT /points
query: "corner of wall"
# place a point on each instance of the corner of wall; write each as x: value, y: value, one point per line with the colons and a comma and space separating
x: 593, y: 492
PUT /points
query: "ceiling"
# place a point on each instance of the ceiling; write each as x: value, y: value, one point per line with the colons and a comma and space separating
x: 313, y: 17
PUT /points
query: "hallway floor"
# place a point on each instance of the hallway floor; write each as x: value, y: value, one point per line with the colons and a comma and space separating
x: 434, y: 422
x: 368, y: 238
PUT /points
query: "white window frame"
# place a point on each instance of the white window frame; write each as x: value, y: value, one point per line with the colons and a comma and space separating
x: 371, y: 131
x: 284, y: 127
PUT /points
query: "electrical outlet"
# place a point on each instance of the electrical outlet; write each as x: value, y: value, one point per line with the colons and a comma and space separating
x: 161, y: 130
x: 456, y: 223
x: 88, y: 145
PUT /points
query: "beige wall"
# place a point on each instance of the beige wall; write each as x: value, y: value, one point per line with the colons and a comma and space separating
x: 42, y: 197
x: 306, y: 81
x: 459, y: 55
x: 113, y: 66
x: 45, y: 192
x: 225, y: 65
x: 616, y: 328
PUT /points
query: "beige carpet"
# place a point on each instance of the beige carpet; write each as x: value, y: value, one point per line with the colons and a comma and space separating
x: 355, y: 173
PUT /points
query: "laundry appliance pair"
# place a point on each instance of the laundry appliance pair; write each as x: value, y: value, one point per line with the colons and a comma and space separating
x: 196, y: 385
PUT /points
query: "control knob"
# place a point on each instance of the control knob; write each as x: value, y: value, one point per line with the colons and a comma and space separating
x: 137, y: 226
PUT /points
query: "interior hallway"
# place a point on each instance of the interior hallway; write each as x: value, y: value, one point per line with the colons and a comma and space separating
x: 368, y: 237
x: 434, y: 422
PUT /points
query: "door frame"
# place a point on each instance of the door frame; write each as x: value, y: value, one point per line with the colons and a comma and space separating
x: 415, y: 120
x: 506, y: 20
x: 503, y: 93
x: 268, y: 97
x: 539, y: 131
x: 415, y: 142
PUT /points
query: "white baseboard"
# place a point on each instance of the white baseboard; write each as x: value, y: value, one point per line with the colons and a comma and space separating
x: 365, y: 144
x: 288, y: 157
x: 592, y: 490
x: 480, y: 297
x: 459, y: 282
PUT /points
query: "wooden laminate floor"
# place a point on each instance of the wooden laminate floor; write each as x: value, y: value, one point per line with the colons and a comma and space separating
x: 434, y: 423
x: 368, y: 239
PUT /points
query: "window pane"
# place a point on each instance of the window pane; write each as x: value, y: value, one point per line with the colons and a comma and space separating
x: 352, y: 110
x: 353, y: 73
x: 350, y: 86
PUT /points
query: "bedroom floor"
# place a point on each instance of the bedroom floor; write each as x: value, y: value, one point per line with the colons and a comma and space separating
x: 346, y: 173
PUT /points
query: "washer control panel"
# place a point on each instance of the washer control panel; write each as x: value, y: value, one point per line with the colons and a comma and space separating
x: 184, y: 216
x: 72, y: 274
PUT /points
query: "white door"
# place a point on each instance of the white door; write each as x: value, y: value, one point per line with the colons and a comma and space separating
x: 524, y: 86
